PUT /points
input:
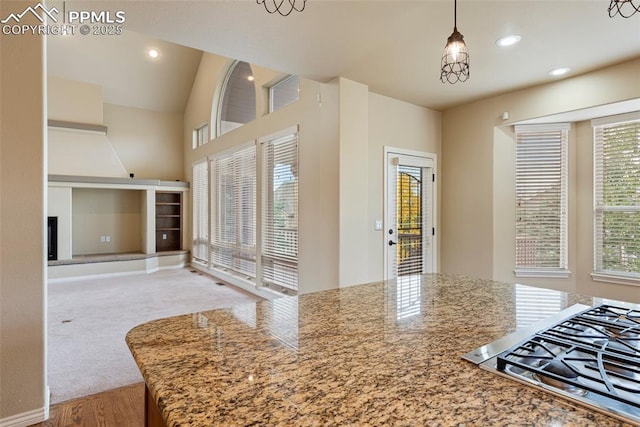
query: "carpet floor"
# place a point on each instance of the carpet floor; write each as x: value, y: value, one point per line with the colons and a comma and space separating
x: 88, y: 321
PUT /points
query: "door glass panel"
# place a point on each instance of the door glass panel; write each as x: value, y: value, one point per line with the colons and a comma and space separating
x: 410, y: 220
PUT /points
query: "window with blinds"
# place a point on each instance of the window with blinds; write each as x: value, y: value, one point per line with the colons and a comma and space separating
x: 617, y: 196
x: 541, y: 200
x: 283, y: 93
x: 200, y: 229
x: 280, y: 210
x: 233, y: 204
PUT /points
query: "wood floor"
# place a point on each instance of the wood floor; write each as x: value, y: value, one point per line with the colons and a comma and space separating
x: 122, y: 407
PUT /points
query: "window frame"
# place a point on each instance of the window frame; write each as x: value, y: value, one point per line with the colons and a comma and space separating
x: 599, y: 208
x: 243, y: 254
x: 223, y: 92
x: 201, y: 215
x: 283, y: 272
x: 524, y: 179
x: 201, y: 135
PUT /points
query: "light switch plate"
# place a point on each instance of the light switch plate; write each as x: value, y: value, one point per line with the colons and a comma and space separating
x: 378, y: 224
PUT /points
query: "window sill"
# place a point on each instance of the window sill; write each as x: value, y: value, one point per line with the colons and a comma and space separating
x: 614, y: 278
x: 550, y: 274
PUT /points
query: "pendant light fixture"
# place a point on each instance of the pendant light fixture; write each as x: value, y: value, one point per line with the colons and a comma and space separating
x: 283, y: 7
x: 455, y: 59
x: 625, y: 8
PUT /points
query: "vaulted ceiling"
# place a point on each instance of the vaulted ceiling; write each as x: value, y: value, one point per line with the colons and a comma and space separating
x: 393, y: 46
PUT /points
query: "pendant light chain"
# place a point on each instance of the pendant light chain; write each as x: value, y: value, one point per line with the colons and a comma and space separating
x: 455, y: 14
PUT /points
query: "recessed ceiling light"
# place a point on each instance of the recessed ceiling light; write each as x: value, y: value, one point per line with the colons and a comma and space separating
x: 508, y: 40
x: 153, y: 53
x: 559, y: 71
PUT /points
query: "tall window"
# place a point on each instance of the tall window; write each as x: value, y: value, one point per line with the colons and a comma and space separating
x: 541, y: 200
x: 280, y: 210
x: 200, y: 190
x: 238, y: 100
x: 233, y: 197
x: 617, y: 196
x: 283, y: 93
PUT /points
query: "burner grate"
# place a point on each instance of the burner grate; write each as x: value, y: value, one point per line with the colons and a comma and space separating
x: 595, y: 351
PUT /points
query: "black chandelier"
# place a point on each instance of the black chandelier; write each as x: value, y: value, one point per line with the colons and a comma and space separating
x: 624, y: 8
x: 455, y: 59
x: 283, y: 7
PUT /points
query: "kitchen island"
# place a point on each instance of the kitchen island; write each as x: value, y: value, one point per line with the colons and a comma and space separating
x: 379, y: 354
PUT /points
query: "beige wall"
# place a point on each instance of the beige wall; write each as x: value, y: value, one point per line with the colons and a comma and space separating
x: 106, y: 212
x: 22, y: 225
x: 75, y: 152
x: 478, y: 155
x: 148, y: 143
x: 354, y: 178
x: 82, y: 153
x: 397, y: 124
x: 73, y: 101
x: 143, y: 142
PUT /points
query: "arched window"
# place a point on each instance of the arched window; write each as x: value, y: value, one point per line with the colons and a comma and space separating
x: 238, y: 100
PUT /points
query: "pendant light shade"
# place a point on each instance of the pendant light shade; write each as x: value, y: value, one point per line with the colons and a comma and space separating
x: 455, y: 59
x: 283, y: 7
x: 624, y: 8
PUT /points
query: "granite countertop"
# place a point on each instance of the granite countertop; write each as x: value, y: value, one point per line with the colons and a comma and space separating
x: 370, y: 355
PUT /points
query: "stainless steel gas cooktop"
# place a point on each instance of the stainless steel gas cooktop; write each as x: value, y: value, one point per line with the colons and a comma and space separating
x: 586, y: 354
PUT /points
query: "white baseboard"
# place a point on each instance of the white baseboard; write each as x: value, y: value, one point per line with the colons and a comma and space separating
x: 110, y: 269
x: 26, y: 418
x: 96, y: 276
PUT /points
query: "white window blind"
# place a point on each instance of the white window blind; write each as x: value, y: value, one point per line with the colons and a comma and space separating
x: 541, y: 199
x: 410, y: 220
x: 280, y: 211
x: 233, y: 197
x: 200, y: 190
x: 617, y: 197
x: 283, y: 93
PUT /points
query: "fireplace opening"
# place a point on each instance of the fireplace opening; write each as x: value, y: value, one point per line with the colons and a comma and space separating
x: 52, y: 237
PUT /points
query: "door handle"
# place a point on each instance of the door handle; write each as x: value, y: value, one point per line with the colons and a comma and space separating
x: 391, y: 243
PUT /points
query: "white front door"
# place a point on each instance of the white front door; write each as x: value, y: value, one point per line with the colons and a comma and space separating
x: 409, y: 233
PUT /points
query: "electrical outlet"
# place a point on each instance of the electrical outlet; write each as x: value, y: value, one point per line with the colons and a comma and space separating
x: 103, y: 239
x: 164, y: 237
x: 108, y: 238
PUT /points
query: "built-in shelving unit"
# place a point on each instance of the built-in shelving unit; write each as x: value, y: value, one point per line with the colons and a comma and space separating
x: 114, y: 225
x: 168, y: 221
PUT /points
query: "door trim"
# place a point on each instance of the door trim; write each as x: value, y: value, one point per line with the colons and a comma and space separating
x: 417, y: 157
